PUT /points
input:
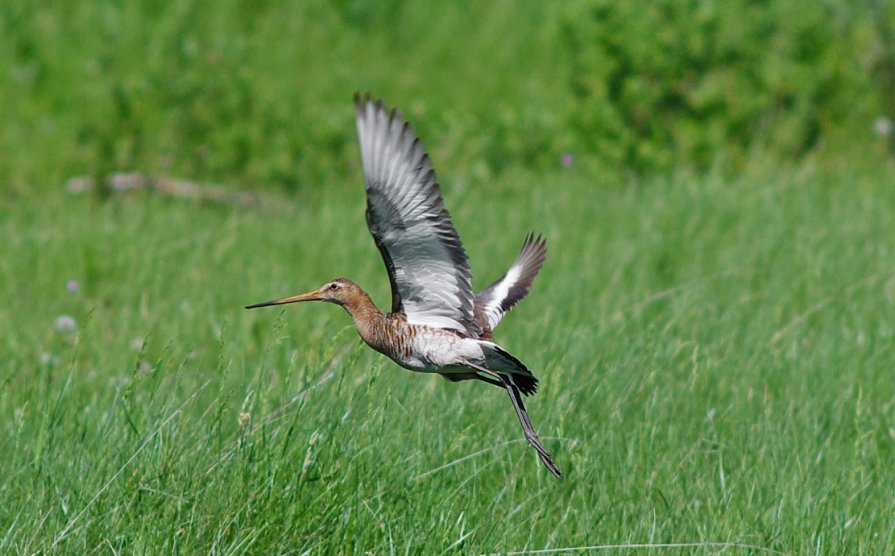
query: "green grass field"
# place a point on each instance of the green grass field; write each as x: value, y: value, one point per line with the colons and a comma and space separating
x: 713, y: 327
x: 716, y: 359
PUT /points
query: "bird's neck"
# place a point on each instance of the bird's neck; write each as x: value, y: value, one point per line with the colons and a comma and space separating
x: 367, y: 317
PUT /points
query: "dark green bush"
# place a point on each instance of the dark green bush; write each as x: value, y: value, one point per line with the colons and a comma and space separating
x: 258, y: 94
x: 663, y: 83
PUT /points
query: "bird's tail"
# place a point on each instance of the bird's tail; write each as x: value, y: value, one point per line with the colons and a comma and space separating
x: 500, y: 360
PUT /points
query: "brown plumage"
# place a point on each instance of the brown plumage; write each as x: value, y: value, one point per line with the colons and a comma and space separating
x: 436, y: 324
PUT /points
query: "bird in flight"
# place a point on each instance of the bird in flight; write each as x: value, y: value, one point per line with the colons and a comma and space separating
x: 436, y: 323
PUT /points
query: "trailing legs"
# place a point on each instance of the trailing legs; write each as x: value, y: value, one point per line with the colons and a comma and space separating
x: 527, y: 427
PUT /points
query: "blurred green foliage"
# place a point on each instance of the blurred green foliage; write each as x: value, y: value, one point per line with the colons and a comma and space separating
x: 258, y: 93
x: 682, y: 80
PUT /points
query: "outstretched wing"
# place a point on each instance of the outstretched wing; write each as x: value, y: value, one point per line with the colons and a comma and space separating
x: 426, y: 263
x: 501, y: 296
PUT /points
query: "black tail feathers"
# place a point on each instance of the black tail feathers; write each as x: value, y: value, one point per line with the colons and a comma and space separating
x: 512, y: 368
x: 527, y: 384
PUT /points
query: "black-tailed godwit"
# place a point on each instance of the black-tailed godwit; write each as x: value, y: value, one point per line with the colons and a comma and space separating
x: 436, y: 324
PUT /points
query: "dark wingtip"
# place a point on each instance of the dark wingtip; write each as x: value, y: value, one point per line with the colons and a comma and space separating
x: 361, y: 100
x: 539, y: 240
x: 535, y: 245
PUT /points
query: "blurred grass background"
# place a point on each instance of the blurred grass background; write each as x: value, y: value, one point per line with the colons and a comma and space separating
x: 254, y: 93
x: 713, y: 327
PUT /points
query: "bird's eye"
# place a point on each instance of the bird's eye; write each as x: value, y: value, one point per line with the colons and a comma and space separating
x: 334, y: 286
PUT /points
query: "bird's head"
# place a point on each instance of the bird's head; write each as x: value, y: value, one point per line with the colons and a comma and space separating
x: 339, y: 291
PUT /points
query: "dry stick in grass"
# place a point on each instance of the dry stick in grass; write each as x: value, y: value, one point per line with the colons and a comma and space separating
x: 130, y: 460
x: 122, y: 182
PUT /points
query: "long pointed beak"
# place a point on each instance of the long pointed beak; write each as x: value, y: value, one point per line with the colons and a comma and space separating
x: 310, y: 296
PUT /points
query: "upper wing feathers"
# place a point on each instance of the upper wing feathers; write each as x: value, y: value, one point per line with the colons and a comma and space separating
x: 426, y: 263
x: 497, y: 299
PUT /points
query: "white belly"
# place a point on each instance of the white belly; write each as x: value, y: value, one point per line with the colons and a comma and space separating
x: 434, y: 351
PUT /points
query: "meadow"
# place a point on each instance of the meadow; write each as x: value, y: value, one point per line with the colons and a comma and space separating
x: 713, y: 334
x: 716, y: 363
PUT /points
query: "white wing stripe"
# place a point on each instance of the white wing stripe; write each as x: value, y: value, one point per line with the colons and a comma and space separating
x: 497, y: 299
x: 500, y: 292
